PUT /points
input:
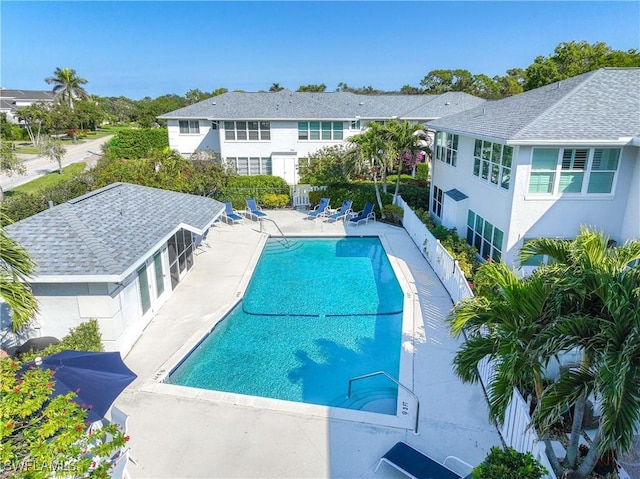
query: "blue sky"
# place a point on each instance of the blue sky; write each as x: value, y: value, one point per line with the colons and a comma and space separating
x: 139, y: 49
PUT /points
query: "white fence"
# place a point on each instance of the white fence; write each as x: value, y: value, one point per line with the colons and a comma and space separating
x: 300, y: 194
x: 439, y: 258
x: 515, y: 430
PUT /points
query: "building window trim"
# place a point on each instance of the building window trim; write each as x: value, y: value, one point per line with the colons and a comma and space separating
x: 446, y: 147
x: 574, y: 172
x: 247, y: 130
x: 437, y: 201
x: 492, y: 163
x: 250, y: 165
x: 320, y: 131
x: 189, y: 127
x: 485, y: 237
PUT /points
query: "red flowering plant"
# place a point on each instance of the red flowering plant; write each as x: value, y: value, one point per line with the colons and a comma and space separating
x: 606, y: 462
x: 42, y: 436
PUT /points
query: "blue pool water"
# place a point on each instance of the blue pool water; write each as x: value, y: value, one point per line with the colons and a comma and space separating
x: 315, y: 314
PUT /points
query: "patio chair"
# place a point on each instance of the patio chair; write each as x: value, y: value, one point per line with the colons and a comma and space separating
x: 416, y: 465
x: 119, y: 465
x: 365, y: 215
x: 320, y: 210
x: 231, y: 215
x: 342, y: 212
x: 253, y: 210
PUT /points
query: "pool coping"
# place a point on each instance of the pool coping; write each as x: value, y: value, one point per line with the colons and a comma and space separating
x: 405, y: 417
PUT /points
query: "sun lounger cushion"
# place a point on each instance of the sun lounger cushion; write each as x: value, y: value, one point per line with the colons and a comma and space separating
x: 415, y: 464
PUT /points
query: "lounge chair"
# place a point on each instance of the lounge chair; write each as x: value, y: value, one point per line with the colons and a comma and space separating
x: 365, y: 215
x: 231, y: 215
x: 253, y: 210
x: 342, y: 212
x: 416, y: 465
x: 320, y: 210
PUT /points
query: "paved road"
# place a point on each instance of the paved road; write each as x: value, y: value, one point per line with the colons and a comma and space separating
x: 38, y: 166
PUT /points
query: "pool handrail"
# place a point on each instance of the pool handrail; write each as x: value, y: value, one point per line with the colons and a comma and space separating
x: 382, y: 373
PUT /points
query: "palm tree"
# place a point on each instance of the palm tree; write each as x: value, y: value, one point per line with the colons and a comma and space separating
x: 15, y: 268
x: 67, y: 85
x: 590, y: 277
x: 275, y: 87
x: 370, y: 152
x: 405, y: 141
x: 505, y: 325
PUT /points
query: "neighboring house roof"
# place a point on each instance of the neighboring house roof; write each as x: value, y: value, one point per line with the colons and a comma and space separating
x: 600, y: 106
x: 105, y: 235
x: 289, y: 105
x: 26, y: 95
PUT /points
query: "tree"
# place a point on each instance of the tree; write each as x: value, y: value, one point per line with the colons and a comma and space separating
x: 329, y: 165
x: 370, y: 154
x: 591, y: 279
x: 312, y: 88
x: 195, y: 96
x: 16, y: 266
x: 365, y: 90
x: 511, y: 84
x: 275, y: 87
x: 10, y: 164
x: 411, y: 90
x: 36, y: 119
x: 53, y: 151
x: 505, y: 323
x: 575, y: 58
x: 442, y: 81
x: 67, y: 86
x: 41, y: 435
x: 147, y: 110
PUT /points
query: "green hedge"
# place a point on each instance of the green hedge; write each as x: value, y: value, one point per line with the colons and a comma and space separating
x: 259, y: 187
x: 22, y: 205
x: 133, y: 144
x: 422, y: 171
x: 84, y: 337
x: 359, y: 193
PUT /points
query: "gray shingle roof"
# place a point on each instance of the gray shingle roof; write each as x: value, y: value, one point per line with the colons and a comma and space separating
x: 26, y: 95
x: 109, y: 231
x: 602, y: 105
x: 289, y: 105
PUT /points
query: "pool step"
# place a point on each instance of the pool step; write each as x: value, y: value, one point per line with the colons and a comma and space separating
x: 280, y: 246
x: 381, y: 400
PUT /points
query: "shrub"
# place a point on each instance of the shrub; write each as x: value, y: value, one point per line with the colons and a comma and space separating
x: 272, y: 200
x: 416, y: 196
x: 393, y: 213
x: 239, y: 188
x: 84, y: 337
x: 422, y: 171
x: 509, y: 464
x: 133, y: 144
x: 359, y: 193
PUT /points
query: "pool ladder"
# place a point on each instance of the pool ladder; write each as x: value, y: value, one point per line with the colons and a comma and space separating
x: 382, y: 373
x: 287, y: 243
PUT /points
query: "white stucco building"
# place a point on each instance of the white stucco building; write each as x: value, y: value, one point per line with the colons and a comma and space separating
x: 114, y: 255
x: 273, y: 133
x: 12, y: 100
x: 542, y: 163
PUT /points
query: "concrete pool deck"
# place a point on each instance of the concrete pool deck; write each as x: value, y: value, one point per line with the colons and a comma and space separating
x: 193, y: 436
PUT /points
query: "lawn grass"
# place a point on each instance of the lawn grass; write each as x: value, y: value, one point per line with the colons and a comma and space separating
x: 26, y: 148
x: 48, y: 179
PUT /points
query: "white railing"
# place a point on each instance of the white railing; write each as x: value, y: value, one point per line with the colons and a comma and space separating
x: 444, y: 265
x: 515, y: 430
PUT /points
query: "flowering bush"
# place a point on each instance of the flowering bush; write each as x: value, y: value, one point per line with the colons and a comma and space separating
x: 42, y: 436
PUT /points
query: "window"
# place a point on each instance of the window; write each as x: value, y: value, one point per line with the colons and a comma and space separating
x: 492, y: 162
x: 189, y: 126
x: 250, y: 165
x: 355, y: 125
x: 180, y: 248
x: 486, y: 238
x: 247, y: 130
x: 446, y: 148
x: 214, y: 125
x: 573, y: 170
x: 143, y: 282
x: 536, y: 260
x: 159, y: 273
x: 436, y: 204
x: 320, y: 130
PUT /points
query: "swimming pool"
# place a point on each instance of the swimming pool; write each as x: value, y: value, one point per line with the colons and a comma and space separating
x: 316, y: 313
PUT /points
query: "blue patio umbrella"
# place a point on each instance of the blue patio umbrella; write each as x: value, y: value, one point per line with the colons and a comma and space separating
x: 97, y: 378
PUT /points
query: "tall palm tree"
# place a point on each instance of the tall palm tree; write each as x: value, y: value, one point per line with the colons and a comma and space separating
x: 583, y: 272
x: 15, y: 268
x: 275, y: 87
x: 505, y: 325
x: 67, y: 85
x: 405, y: 141
x: 371, y: 152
